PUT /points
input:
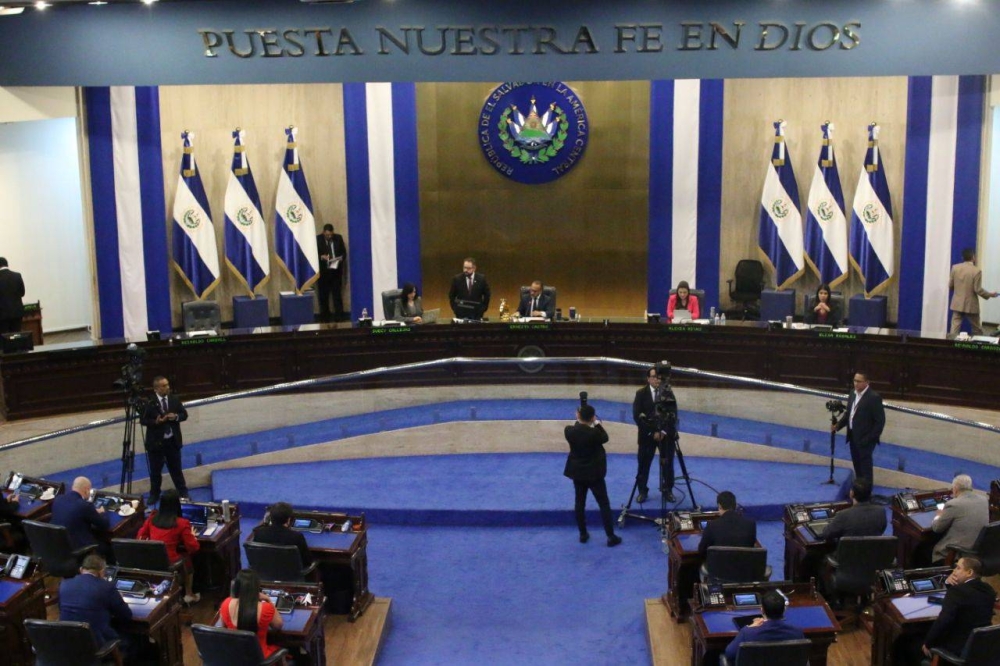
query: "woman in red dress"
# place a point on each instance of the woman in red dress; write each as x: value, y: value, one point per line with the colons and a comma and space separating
x: 249, y: 609
x: 167, y: 525
x: 683, y: 299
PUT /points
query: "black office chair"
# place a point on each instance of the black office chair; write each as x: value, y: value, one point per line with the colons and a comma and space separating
x: 986, y: 549
x: 148, y: 555
x: 389, y: 299
x: 749, y: 283
x: 850, y: 571
x: 69, y: 644
x: 981, y: 649
x: 202, y: 316
x: 50, y: 544
x: 728, y: 564
x: 219, y: 646
x: 278, y: 563
x: 546, y: 291
x: 757, y: 653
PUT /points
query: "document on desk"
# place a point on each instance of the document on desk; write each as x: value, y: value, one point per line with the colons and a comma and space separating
x: 136, y: 601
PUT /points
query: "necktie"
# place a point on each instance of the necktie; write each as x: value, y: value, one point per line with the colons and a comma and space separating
x: 534, y: 305
x: 163, y: 403
x: 469, y: 280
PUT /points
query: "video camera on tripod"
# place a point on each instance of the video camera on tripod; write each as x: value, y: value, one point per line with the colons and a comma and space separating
x: 130, y: 381
x: 664, y: 416
x: 130, y: 384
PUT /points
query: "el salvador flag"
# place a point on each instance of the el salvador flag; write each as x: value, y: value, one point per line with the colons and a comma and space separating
x: 780, y: 234
x: 246, y: 237
x: 872, y: 250
x: 196, y: 255
x: 826, y: 223
x: 294, y: 224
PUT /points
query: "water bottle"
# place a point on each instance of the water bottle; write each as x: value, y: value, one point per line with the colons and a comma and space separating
x: 225, y: 511
x: 722, y: 321
x: 364, y: 313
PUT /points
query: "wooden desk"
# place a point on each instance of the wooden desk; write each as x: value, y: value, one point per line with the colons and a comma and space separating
x: 900, y: 613
x: 31, y: 322
x: 122, y: 527
x: 34, y: 508
x: 803, y: 551
x: 911, y: 524
x: 156, y: 621
x: 683, y: 560
x: 19, y: 600
x: 995, y: 500
x: 712, y: 628
x: 218, y: 560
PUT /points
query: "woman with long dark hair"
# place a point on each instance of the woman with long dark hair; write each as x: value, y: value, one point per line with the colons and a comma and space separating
x: 249, y: 609
x: 825, y: 310
x: 409, y: 307
x: 683, y: 299
x: 166, y: 525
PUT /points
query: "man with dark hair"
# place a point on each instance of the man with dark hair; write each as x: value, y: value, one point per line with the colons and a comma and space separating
x: 966, y: 281
x: 469, y: 295
x: 861, y: 519
x: 865, y: 420
x: 771, y: 627
x: 332, y: 253
x: 729, y: 529
x: 278, y: 532
x: 92, y: 599
x: 162, y: 417
x: 652, y: 436
x: 11, y: 293
x: 587, y: 465
x: 536, y: 302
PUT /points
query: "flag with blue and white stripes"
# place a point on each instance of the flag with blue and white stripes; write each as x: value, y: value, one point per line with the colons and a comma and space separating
x: 826, y: 223
x: 294, y: 223
x: 196, y: 254
x: 873, y: 251
x: 780, y: 234
x: 246, y: 237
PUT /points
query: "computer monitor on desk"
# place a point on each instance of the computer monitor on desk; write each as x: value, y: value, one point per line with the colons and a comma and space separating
x: 468, y: 309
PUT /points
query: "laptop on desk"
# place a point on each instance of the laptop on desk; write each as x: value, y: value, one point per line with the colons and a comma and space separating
x: 430, y: 316
x: 681, y: 315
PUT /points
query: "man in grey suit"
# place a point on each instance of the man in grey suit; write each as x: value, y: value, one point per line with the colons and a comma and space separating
x: 967, y: 282
x: 961, y: 519
x: 861, y: 519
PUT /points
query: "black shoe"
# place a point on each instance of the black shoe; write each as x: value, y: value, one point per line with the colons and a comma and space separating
x: 643, y: 494
x: 584, y: 537
x: 614, y: 540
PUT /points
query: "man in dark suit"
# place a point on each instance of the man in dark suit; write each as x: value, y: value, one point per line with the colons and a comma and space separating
x: 332, y: 258
x: 470, y: 287
x: 729, y: 529
x: 82, y: 520
x: 652, y: 437
x: 536, y: 303
x: 278, y: 531
x: 865, y: 419
x: 11, y: 293
x: 587, y: 465
x: 92, y: 599
x: 968, y: 605
x: 771, y: 627
x: 861, y: 519
x: 162, y: 417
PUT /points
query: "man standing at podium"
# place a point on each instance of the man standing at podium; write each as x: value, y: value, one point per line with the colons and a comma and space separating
x: 470, y: 292
x: 162, y: 418
x: 865, y: 419
x: 332, y: 254
x: 11, y: 293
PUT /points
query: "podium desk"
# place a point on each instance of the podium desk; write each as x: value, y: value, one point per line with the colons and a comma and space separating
x: 19, y: 600
x: 156, y: 621
x: 341, y: 556
x: 683, y: 559
x: 302, y: 630
x: 901, y: 613
x: 712, y: 627
x: 804, y: 550
x: 912, y: 516
x: 32, y: 506
x: 218, y: 559
x: 995, y: 500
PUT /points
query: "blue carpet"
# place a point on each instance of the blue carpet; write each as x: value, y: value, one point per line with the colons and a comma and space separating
x: 506, y: 489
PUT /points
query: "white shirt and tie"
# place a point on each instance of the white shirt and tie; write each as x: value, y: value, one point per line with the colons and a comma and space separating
x: 854, y: 407
x: 165, y: 409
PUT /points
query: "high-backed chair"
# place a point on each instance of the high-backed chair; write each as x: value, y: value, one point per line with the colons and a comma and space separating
x: 202, y: 316
x: 278, y: 563
x: 389, y: 299
x: 148, y: 555
x: 768, y: 653
x: 986, y: 549
x: 219, y: 646
x: 746, y: 286
x: 836, y: 297
x: 69, y: 644
x: 51, y: 544
x: 729, y: 564
x: 850, y: 570
x: 982, y: 647
x: 547, y: 290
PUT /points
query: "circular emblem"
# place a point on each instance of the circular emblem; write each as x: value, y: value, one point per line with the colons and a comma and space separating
x: 191, y: 218
x: 294, y: 214
x: 871, y: 213
x: 533, y: 132
x: 825, y: 211
x: 779, y: 208
x: 245, y: 216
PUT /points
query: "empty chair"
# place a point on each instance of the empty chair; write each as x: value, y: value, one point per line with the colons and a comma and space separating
x: 986, y: 549
x: 746, y: 286
x: 729, y: 564
x: 278, y: 563
x: 51, y: 544
x: 850, y: 570
x: 69, y: 644
x: 389, y: 298
x: 786, y: 653
x: 202, y: 316
x: 218, y: 646
x: 148, y: 555
x: 982, y: 647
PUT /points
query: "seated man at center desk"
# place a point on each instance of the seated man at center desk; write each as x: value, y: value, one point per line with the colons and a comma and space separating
x: 770, y: 627
x: 278, y: 531
x: 536, y: 303
x: 729, y: 529
x: 862, y: 519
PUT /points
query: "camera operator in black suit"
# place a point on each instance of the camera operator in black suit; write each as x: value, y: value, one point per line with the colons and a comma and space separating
x: 587, y: 465
x: 650, y: 409
x: 865, y: 419
x: 162, y: 418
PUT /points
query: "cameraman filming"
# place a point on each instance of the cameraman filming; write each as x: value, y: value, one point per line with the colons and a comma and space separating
x: 587, y: 465
x: 654, y: 411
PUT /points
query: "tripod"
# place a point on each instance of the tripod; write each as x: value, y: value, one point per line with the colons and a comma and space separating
x: 662, y: 520
x: 134, y: 406
x: 836, y: 408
